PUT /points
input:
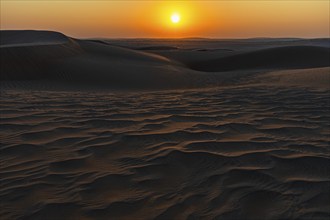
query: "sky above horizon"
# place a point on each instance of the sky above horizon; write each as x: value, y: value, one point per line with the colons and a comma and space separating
x: 152, y: 19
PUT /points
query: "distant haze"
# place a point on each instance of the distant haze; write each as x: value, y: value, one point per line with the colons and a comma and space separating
x: 149, y: 19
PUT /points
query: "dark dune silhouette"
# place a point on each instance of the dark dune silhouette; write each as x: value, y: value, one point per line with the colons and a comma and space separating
x: 294, y: 57
x: 158, y: 48
x: 55, y: 57
x: 29, y: 37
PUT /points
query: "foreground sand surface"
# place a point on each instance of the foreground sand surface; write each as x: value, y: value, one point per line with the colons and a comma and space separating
x: 163, y: 129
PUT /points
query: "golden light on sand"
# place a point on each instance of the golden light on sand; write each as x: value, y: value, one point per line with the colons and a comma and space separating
x: 175, y: 18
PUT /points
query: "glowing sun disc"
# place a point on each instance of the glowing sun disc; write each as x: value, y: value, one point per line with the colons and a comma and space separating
x: 175, y: 18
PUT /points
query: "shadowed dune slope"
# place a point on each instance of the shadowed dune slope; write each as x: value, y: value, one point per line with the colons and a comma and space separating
x: 29, y: 54
x: 66, y: 59
x: 61, y: 60
x: 29, y: 37
x: 35, y: 61
x: 291, y: 57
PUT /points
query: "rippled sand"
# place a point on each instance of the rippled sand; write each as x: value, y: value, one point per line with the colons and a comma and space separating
x: 222, y: 153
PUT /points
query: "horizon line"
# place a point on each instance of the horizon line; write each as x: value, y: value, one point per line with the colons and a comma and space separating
x: 183, y: 38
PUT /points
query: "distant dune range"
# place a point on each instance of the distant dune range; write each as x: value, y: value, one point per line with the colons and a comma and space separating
x: 45, y: 55
x: 293, y: 57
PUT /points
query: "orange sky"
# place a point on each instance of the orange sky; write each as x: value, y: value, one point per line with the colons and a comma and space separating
x: 216, y: 19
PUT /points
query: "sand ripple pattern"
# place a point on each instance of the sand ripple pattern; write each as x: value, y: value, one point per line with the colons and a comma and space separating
x: 234, y: 153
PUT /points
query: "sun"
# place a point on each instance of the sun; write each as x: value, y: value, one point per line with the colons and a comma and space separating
x: 175, y: 18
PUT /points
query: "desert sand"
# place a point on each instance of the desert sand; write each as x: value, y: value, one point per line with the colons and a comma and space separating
x: 164, y: 128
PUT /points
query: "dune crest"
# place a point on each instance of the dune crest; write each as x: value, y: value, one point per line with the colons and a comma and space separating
x: 78, y: 61
x: 292, y: 57
x: 31, y: 38
x: 54, y: 57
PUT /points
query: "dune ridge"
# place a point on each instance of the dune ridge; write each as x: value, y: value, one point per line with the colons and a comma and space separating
x: 52, y: 56
x: 78, y: 61
x: 30, y: 38
x: 293, y: 57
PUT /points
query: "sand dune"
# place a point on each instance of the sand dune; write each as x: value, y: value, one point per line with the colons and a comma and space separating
x: 248, y: 141
x: 313, y: 78
x: 34, y: 61
x: 30, y: 38
x: 79, y: 61
x: 275, y: 58
x: 230, y: 44
x: 54, y: 57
